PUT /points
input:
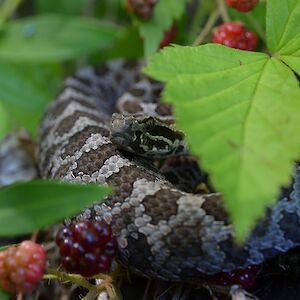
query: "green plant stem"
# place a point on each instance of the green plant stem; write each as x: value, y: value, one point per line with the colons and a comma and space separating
x: 207, y: 28
x: 7, y: 8
x: 65, y: 277
x: 93, y: 290
x: 223, y: 10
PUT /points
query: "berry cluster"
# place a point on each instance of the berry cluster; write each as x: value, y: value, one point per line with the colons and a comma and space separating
x: 242, y: 5
x: 22, y: 267
x: 141, y: 8
x: 235, y: 35
x: 244, y: 277
x: 87, y: 248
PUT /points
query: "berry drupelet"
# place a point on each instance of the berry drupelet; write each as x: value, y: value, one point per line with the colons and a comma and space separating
x: 242, y: 5
x: 87, y: 248
x: 22, y: 267
x: 235, y: 35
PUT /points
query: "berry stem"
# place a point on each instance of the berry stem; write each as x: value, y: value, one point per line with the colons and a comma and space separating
x: 207, y: 28
x: 65, y: 277
x: 223, y: 10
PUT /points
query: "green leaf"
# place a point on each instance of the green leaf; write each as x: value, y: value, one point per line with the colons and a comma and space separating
x: 25, y: 207
x: 240, y: 111
x: 128, y: 46
x: 25, y: 90
x: 165, y: 12
x: 48, y: 38
x: 4, y: 295
x: 60, y: 6
x: 283, y: 23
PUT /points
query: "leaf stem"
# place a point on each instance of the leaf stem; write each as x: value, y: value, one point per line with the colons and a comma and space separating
x: 223, y: 10
x: 7, y: 8
x: 207, y: 28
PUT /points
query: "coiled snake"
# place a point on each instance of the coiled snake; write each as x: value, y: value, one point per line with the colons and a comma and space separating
x: 163, y: 232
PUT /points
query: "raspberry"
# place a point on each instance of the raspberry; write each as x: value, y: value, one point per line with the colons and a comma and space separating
x: 235, y: 35
x: 87, y: 248
x: 244, y: 277
x: 169, y: 36
x: 242, y: 5
x: 141, y: 8
x: 22, y: 267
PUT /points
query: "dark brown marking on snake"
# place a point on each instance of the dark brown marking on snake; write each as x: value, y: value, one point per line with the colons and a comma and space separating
x: 185, y: 242
x: 92, y: 161
x: 164, y: 109
x: 66, y: 124
x: 213, y: 206
x: 137, y: 92
x: 132, y: 106
x: 76, y: 141
x: 159, y: 207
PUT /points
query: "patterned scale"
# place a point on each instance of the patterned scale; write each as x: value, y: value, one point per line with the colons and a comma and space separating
x: 163, y: 232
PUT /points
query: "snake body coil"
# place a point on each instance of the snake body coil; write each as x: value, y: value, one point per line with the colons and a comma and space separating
x: 162, y: 231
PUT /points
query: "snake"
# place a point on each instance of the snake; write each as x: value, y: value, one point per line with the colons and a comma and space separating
x: 163, y: 231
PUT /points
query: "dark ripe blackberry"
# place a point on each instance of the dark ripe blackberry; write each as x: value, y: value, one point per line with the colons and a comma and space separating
x: 65, y: 247
x: 63, y: 234
x: 244, y: 277
x: 87, y: 248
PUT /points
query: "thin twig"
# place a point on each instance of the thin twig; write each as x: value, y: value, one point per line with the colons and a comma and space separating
x: 207, y: 28
x: 34, y: 236
x: 223, y: 10
x: 65, y: 277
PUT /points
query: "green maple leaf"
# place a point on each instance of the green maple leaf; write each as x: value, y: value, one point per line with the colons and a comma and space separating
x: 240, y: 111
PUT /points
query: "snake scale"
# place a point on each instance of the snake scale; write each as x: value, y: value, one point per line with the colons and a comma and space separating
x: 163, y: 232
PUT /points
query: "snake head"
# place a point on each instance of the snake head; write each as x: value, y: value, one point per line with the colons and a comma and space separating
x: 146, y: 136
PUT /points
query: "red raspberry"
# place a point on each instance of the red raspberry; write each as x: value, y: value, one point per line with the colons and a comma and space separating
x: 87, y: 248
x: 142, y: 8
x: 22, y: 267
x: 242, y: 5
x: 169, y: 36
x: 244, y: 277
x: 235, y: 35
